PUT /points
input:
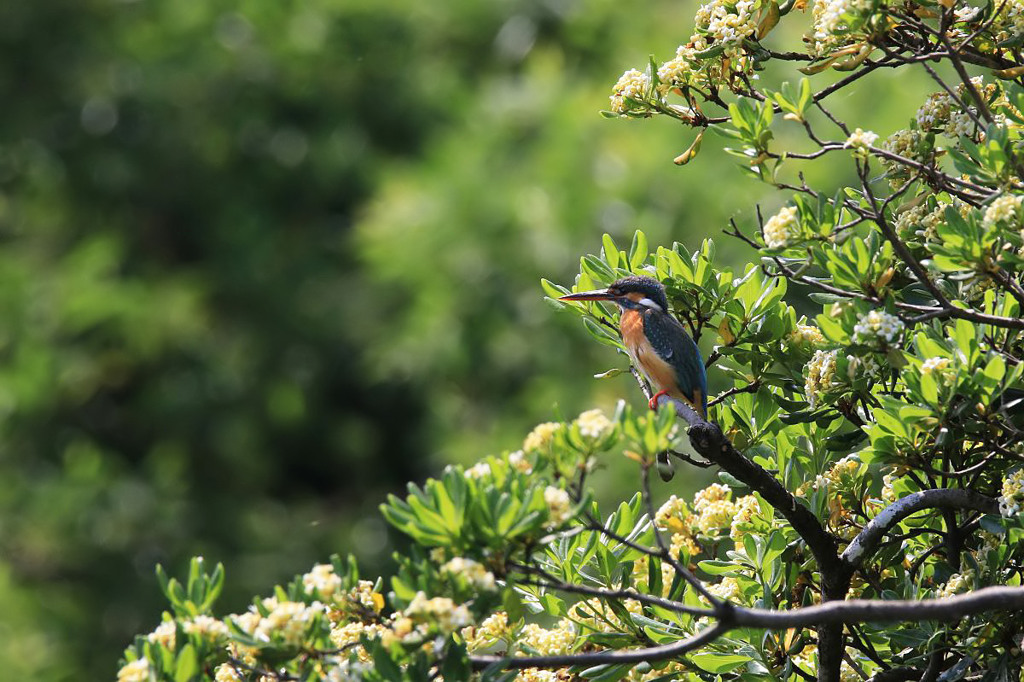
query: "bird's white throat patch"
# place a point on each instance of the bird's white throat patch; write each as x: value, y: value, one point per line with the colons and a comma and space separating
x: 648, y: 303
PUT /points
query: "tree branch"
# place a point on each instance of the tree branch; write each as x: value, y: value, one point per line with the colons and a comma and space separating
x: 867, y: 540
x: 656, y: 653
x: 836, y: 613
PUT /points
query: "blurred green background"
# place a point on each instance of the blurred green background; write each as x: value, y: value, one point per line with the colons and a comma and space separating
x: 262, y: 263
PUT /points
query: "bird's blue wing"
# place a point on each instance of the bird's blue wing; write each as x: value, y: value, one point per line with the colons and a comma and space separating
x: 671, y: 342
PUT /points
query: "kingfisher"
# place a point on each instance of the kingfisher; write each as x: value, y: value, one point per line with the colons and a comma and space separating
x: 657, y: 343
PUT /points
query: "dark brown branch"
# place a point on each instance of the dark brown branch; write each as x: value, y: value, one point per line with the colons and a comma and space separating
x: 948, y: 609
x: 864, y: 545
x: 656, y: 653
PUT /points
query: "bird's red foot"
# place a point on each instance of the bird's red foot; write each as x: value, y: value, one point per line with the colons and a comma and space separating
x: 653, y: 403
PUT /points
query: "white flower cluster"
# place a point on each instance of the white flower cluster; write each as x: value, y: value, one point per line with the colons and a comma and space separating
x: 821, y: 372
x: 726, y: 22
x: 728, y: 589
x: 908, y: 143
x: 478, y: 470
x: 934, y: 113
x: 1005, y: 209
x: 441, y: 611
x: 290, y: 620
x: 473, y: 571
x: 630, y: 92
x: 716, y: 516
x: 519, y: 462
x: 136, y: 671
x: 1012, y: 499
x: 958, y: 583
x: 860, y: 142
x: 832, y: 20
x: 546, y: 642
x: 541, y: 436
x: 877, y: 325
x: 782, y: 228
x: 494, y: 628
x: 888, y: 495
x: 920, y: 222
x: 745, y: 509
x: 593, y: 424
x: 1009, y: 21
x: 807, y: 334
x: 323, y: 579
x: 716, y: 492
x: 935, y: 366
x: 678, y: 70
x: 558, y: 505
x: 349, y: 634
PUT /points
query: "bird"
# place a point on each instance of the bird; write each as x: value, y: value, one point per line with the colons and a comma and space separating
x: 656, y: 342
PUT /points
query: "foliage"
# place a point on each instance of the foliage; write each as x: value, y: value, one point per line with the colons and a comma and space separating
x: 882, y: 424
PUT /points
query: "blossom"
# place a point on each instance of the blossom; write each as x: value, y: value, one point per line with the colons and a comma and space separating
x: 860, y: 141
x: 478, y: 470
x: 865, y: 367
x: 593, y: 424
x: 290, y: 620
x: 833, y: 20
x: 473, y: 571
x: 745, y: 509
x: 322, y: 579
x: 1012, y: 499
x: 684, y: 540
x: 519, y: 462
x: 494, y: 628
x: 539, y: 675
x: 958, y: 583
x: 708, y: 496
x: 364, y: 595
x: 677, y: 70
x: 440, y: 611
x: 782, y: 228
x: 350, y: 634
x: 910, y: 144
x: 716, y: 516
x: 935, y: 111
x: 1009, y: 20
x: 557, y: 640
x: 820, y: 377
x: 726, y: 22
x: 877, y: 325
x: 888, y: 492
x: 807, y: 333
x: 541, y: 436
x: 164, y: 634
x: 728, y: 589
x: 207, y: 628
x: 629, y: 93
x: 1004, y: 209
x: 935, y: 366
x: 135, y: 671
x: 558, y: 505
x: 227, y: 672
x: 920, y: 221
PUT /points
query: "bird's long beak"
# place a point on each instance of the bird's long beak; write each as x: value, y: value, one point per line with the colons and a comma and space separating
x: 595, y: 295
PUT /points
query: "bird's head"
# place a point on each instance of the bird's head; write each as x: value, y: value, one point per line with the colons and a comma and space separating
x: 636, y: 292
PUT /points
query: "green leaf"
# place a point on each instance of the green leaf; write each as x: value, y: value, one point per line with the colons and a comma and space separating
x: 610, y: 251
x: 186, y: 667
x: 456, y: 663
x: 638, y: 251
x: 606, y: 673
x: 714, y: 662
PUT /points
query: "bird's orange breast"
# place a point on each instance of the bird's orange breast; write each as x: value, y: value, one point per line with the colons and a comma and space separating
x: 661, y: 373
